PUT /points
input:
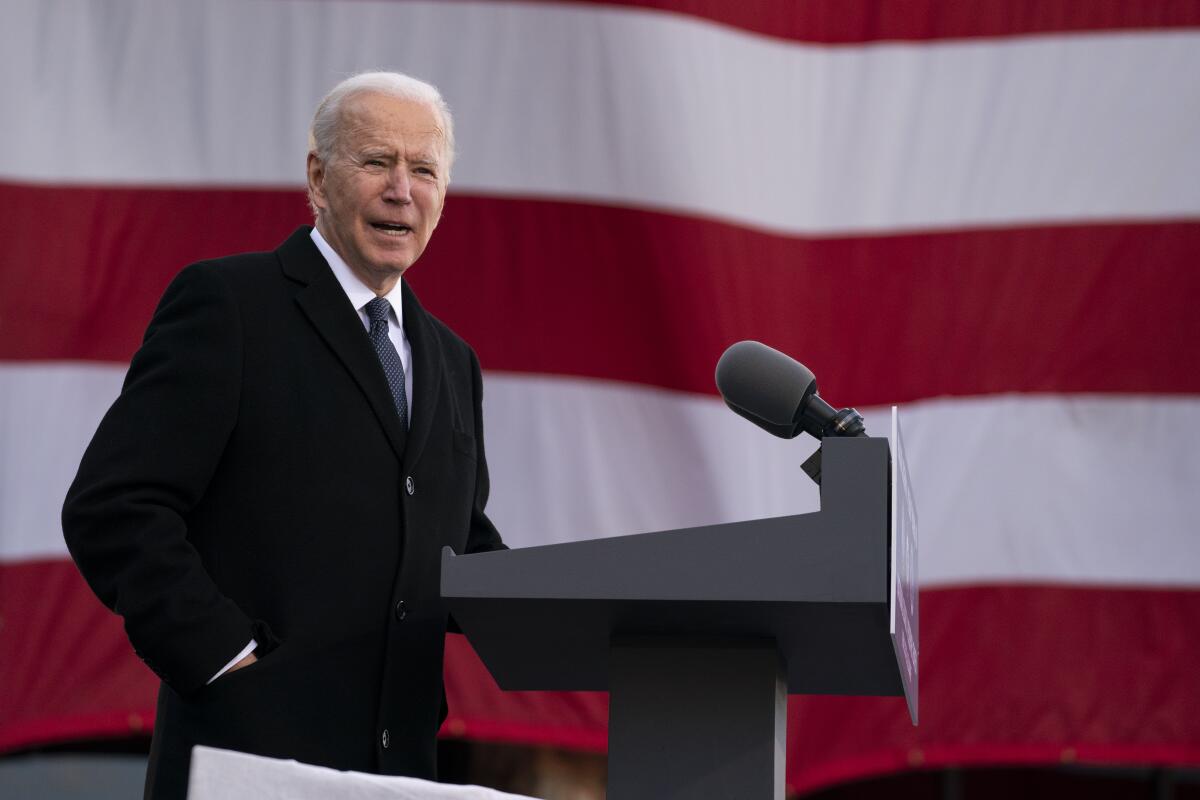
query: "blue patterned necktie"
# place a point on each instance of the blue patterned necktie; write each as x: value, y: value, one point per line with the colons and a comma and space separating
x: 377, y: 311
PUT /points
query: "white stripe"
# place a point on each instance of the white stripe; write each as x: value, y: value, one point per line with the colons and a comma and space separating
x: 621, y: 106
x: 48, y: 413
x: 1070, y: 489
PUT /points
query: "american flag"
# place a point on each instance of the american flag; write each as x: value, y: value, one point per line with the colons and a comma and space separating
x: 987, y: 213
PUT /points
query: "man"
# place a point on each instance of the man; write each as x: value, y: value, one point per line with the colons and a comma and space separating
x: 296, y: 440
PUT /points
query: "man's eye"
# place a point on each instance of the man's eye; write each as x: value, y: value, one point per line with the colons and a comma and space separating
x: 426, y: 171
x: 373, y: 162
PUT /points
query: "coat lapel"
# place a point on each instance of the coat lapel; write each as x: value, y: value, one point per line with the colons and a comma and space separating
x: 325, y: 304
x: 427, y: 378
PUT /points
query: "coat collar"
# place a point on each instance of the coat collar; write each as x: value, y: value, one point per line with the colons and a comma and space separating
x: 428, y: 372
x: 323, y: 301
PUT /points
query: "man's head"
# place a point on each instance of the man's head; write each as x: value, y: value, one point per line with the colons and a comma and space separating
x: 380, y: 150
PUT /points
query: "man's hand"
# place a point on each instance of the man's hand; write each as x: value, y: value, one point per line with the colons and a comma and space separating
x: 245, y: 662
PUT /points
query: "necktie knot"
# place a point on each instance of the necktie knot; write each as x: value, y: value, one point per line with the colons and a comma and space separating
x: 377, y: 311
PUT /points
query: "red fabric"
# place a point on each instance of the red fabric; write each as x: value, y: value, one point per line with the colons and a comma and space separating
x: 997, y: 685
x: 946, y: 313
x: 68, y: 669
x: 1023, y: 674
x: 858, y: 21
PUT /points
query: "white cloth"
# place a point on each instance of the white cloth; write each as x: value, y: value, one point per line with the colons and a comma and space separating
x: 247, y: 650
x: 229, y: 775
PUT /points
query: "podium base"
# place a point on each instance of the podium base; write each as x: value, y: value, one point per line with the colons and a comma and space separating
x: 696, y: 720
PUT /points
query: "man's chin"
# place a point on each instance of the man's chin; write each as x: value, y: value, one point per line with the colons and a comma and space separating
x: 395, y: 257
x: 392, y: 266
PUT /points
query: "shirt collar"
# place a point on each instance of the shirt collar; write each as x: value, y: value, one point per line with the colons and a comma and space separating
x: 359, y: 293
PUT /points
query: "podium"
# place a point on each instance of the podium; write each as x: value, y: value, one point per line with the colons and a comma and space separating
x: 700, y: 634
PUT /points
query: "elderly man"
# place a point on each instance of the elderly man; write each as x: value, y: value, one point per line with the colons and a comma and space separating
x: 296, y: 440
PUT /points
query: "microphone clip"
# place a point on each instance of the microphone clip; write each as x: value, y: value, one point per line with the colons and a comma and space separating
x: 847, y: 422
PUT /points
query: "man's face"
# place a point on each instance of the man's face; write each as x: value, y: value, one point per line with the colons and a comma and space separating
x: 380, y: 196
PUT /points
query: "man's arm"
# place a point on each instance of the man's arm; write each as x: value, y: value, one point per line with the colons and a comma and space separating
x: 483, y: 535
x: 147, y: 467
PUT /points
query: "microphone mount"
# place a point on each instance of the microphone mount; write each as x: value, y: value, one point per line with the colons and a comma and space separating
x: 846, y: 422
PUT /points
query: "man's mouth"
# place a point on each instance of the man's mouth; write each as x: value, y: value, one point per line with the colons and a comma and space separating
x: 391, y: 228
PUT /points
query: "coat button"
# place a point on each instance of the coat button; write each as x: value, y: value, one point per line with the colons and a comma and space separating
x: 409, y: 485
x: 401, y: 611
x: 385, y: 738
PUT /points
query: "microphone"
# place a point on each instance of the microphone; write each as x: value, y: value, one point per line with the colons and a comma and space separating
x: 779, y: 394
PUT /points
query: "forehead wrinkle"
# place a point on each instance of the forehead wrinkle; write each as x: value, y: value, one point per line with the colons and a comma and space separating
x: 363, y: 124
x: 392, y: 151
x: 424, y: 157
x: 424, y: 150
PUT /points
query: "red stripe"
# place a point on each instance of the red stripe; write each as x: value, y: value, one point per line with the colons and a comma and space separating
x: 1012, y: 675
x: 654, y: 298
x: 1023, y: 675
x: 855, y: 22
x: 1009, y: 674
x: 68, y: 670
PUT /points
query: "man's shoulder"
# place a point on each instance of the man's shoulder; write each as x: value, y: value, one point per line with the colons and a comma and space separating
x: 447, y: 334
x: 246, y: 271
x: 240, y: 265
x: 453, y: 347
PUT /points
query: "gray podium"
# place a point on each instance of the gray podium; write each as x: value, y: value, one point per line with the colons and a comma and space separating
x: 700, y: 634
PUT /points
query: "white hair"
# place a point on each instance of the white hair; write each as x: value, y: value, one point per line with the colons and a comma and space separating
x: 322, y: 135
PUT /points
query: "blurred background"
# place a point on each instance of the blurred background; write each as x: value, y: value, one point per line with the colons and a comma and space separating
x: 986, y: 213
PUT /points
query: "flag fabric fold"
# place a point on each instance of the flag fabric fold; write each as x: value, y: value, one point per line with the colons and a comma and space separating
x: 993, y: 222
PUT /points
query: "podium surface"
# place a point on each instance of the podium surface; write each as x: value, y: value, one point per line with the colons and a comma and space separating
x: 700, y: 633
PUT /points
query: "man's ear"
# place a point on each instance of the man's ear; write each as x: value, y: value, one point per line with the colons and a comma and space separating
x: 316, y: 180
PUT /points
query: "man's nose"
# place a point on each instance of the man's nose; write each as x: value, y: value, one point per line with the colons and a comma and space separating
x: 399, y: 185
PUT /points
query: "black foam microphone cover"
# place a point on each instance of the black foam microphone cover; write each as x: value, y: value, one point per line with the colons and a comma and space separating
x: 766, y: 387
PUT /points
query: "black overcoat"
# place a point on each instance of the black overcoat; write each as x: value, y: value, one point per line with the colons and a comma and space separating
x: 253, y: 479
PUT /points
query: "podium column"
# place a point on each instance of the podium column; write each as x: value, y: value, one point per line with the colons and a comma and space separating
x: 696, y: 721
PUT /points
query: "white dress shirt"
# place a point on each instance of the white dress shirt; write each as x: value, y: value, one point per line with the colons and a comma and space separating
x: 360, y: 294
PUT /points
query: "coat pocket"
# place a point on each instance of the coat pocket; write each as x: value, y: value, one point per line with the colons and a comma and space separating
x: 463, y: 443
